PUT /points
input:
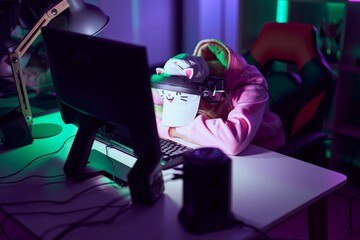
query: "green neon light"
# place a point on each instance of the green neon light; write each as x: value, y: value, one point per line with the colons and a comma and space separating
x: 282, y: 11
x: 135, y: 19
x: 335, y: 11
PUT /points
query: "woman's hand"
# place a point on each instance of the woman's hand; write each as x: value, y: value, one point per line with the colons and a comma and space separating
x: 173, y: 133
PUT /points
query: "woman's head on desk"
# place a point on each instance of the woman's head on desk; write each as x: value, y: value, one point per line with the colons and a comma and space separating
x: 213, y: 98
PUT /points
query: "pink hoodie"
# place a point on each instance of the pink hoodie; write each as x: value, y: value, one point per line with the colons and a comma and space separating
x: 249, y: 120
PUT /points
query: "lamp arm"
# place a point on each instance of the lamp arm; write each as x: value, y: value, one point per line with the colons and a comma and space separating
x: 20, y: 50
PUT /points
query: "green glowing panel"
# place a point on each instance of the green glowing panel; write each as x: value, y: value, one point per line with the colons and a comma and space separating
x: 282, y: 11
x: 335, y: 11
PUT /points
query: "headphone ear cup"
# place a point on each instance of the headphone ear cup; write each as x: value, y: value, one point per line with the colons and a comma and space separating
x: 221, y: 86
x: 213, y: 84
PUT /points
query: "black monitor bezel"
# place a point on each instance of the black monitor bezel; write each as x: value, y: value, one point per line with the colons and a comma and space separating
x: 102, y: 86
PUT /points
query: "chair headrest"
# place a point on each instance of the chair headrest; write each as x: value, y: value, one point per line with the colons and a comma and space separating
x: 289, y: 42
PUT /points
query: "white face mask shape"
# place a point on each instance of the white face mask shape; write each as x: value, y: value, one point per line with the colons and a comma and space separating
x: 179, y: 109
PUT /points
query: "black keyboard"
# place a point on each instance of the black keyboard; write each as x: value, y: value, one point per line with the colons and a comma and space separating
x: 172, y: 153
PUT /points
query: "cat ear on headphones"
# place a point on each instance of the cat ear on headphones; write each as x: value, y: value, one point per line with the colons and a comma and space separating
x: 159, y: 71
x: 189, y: 72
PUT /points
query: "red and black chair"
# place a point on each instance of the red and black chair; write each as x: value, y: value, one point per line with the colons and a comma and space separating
x: 301, y: 84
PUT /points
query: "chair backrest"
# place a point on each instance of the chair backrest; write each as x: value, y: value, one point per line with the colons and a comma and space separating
x: 302, y: 87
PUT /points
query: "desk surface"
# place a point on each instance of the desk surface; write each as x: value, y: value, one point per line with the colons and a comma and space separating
x: 267, y: 188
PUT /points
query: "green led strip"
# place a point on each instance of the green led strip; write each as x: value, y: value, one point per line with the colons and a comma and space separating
x: 282, y: 11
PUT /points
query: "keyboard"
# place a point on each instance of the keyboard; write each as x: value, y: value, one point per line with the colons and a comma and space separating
x: 99, y: 163
x: 172, y: 153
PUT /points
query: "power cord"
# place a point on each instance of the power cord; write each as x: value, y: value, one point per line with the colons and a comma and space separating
x: 85, y: 223
x: 32, y: 176
x: 2, y: 231
x: 35, y: 159
x: 350, y: 227
x: 350, y: 201
x: 113, y: 164
x: 62, y: 212
x: 74, y: 225
x: 350, y: 209
x: 53, y: 202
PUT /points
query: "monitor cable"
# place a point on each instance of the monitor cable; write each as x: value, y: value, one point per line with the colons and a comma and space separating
x: 107, y: 147
x: 54, y: 202
x: 35, y: 160
x: 84, y: 222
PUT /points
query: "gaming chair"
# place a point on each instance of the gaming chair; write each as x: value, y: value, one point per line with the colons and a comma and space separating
x: 301, y: 85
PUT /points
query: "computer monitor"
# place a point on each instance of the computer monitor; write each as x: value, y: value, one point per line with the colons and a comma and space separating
x: 103, y: 87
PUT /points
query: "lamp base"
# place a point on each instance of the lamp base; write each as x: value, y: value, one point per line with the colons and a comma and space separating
x: 45, y: 130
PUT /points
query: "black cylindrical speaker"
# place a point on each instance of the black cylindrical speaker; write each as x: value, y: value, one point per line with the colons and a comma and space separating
x: 14, y: 131
x: 206, y: 191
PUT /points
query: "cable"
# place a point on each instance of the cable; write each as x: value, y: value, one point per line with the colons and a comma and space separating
x: 57, y: 202
x: 2, y: 230
x: 95, y: 223
x: 54, y: 201
x: 62, y: 212
x: 35, y: 159
x: 351, y: 201
x: 69, y: 212
x: 72, y: 226
x: 350, y: 209
x: 353, y: 198
x: 32, y: 176
x: 112, y: 162
x: 83, y: 222
x: 22, y: 169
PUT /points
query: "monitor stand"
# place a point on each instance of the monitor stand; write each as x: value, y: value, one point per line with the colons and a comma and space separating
x: 83, y: 162
x: 100, y: 163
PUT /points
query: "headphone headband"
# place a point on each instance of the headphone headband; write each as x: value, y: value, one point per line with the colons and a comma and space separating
x: 177, y: 84
x: 181, y: 84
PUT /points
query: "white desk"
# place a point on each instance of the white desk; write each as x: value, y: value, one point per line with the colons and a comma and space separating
x: 267, y: 188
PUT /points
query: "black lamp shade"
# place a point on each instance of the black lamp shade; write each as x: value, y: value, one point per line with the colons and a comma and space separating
x: 86, y: 18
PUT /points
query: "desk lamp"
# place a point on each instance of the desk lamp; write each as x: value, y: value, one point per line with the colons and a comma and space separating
x: 84, y: 18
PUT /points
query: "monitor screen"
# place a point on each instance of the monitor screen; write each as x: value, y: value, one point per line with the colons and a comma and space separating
x: 103, y: 87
